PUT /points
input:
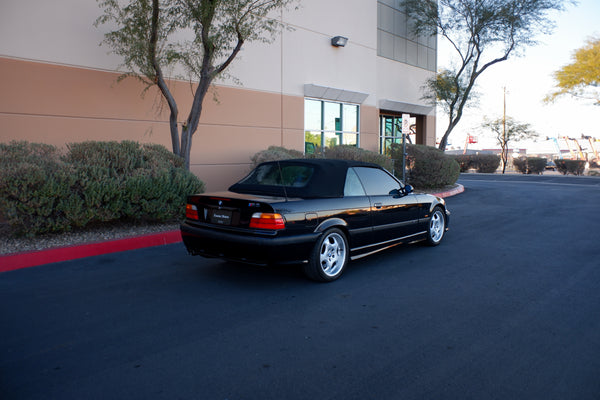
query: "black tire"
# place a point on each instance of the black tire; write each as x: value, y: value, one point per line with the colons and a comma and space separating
x: 436, y: 227
x: 329, y: 257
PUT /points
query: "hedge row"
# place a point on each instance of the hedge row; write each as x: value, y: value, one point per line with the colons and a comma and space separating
x: 275, y: 153
x: 43, y: 190
x: 530, y: 165
x: 345, y: 152
x: 482, y: 163
x: 427, y: 167
x: 575, y: 167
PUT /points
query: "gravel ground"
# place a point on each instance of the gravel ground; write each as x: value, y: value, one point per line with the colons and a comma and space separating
x: 10, y: 244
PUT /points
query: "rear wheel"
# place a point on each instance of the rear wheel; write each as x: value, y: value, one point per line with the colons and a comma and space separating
x: 329, y: 257
x: 437, y: 227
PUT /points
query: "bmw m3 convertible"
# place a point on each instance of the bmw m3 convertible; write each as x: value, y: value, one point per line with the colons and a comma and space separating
x: 316, y: 212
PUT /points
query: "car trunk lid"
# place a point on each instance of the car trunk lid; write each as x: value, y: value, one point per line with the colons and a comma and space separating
x: 233, y: 210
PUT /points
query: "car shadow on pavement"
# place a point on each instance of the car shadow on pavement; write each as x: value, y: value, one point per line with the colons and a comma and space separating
x: 247, y: 275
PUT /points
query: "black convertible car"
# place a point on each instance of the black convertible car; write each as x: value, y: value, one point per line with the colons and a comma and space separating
x: 319, y: 213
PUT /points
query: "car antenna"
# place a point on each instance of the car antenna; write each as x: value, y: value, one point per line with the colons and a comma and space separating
x: 282, y: 182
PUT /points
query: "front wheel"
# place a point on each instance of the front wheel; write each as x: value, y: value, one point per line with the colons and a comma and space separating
x: 329, y: 257
x: 437, y: 227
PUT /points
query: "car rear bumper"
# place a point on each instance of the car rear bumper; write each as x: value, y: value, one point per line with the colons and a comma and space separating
x: 254, y: 248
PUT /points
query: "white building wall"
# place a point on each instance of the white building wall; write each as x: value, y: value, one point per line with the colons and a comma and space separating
x: 62, y: 32
x: 400, y: 82
x: 307, y: 56
x: 57, y: 31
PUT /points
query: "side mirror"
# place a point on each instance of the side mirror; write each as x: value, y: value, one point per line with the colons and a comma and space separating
x: 402, y: 191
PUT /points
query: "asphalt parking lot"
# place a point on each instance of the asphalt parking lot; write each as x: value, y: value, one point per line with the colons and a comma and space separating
x: 508, y: 307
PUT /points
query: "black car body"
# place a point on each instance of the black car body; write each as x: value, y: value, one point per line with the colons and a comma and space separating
x: 320, y: 213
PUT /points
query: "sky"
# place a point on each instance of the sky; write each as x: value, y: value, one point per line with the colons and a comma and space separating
x: 528, y: 79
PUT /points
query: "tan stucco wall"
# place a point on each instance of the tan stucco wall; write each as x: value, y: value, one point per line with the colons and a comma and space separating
x: 57, y: 105
x: 369, y: 128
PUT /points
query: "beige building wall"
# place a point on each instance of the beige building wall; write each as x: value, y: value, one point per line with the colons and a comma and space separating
x: 58, y: 105
x: 59, y: 86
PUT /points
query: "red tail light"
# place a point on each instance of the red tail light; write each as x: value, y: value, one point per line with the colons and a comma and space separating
x: 267, y: 221
x: 191, y: 211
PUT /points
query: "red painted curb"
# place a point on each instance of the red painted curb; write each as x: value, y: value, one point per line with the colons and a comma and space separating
x: 15, y: 261
x: 459, y: 189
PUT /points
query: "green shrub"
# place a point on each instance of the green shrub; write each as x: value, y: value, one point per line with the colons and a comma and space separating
x: 520, y: 164
x: 530, y: 165
x: 486, y: 163
x: 465, y: 161
x: 575, y: 167
x: 94, y: 182
x: 32, y: 197
x: 27, y: 153
x: 357, y: 154
x: 122, y: 157
x: 536, y: 165
x: 427, y: 167
x: 482, y: 163
x: 274, y: 153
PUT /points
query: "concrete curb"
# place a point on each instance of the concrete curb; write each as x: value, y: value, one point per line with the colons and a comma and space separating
x: 11, y: 262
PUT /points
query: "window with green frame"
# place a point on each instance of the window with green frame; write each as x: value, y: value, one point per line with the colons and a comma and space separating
x: 328, y: 124
x: 391, y: 132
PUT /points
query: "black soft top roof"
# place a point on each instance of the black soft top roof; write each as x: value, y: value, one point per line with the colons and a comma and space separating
x: 327, y: 180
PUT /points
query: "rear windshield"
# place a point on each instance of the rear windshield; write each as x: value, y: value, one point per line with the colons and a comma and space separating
x: 295, y: 178
x: 279, y: 175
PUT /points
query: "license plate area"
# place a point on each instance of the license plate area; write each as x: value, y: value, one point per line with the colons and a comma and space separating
x: 221, y: 216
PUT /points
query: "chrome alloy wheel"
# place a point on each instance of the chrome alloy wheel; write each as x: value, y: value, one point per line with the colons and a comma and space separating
x: 332, y: 255
x: 437, y: 225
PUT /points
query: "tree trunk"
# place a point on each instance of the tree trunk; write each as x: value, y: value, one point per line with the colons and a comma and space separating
x: 504, y: 158
x: 444, y: 140
x: 194, y: 118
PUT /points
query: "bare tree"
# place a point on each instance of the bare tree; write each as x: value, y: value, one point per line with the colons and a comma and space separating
x: 507, y: 130
x: 482, y: 33
x: 215, y: 30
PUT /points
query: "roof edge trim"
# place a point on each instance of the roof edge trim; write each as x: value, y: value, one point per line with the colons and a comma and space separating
x: 401, y: 107
x: 329, y: 93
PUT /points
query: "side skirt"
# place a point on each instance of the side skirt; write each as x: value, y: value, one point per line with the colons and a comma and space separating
x: 386, y: 245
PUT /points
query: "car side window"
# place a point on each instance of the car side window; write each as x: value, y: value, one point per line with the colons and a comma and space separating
x: 353, y: 187
x: 377, y: 182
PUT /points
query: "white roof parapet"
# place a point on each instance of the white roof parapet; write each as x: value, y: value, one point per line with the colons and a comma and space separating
x: 405, y: 107
x: 329, y: 93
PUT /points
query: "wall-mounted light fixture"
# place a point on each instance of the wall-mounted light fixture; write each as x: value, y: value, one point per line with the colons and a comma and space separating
x: 339, y: 41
